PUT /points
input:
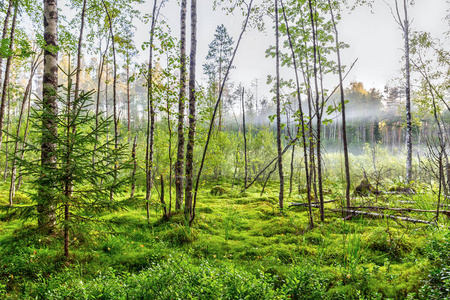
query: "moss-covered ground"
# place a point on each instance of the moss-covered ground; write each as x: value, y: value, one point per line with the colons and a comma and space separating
x: 241, y: 246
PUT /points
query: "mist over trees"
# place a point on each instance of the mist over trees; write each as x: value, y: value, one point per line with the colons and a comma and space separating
x: 94, y: 122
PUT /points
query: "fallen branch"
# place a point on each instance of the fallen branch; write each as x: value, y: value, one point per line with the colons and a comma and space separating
x: 314, y: 204
x: 446, y: 212
x: 428, y: 203
x: 398, y: 192
x: 358, y: 212
x: 273, y: 160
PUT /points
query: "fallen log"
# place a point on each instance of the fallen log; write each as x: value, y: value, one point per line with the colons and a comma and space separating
x: 401, y: 190
x: 446, y: 212
x: 314, y: 204
x: 415, y: 202
x: 358, y: 212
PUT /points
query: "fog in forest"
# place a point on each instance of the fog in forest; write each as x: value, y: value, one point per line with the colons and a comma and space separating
x: 226, y: 149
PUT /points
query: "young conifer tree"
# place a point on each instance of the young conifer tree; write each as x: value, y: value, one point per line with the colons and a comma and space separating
x: 80, y: 189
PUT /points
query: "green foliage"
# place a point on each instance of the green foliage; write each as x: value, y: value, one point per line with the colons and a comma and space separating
x: 219, y: 54
x: 74, y: 181
x: 437, y: 285
x: 4, y: 48
x: 174, y: 279
x: 240, y: 246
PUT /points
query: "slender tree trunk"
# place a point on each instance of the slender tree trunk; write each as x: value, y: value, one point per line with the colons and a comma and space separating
x: 441, y: 177
x: 267, y: 179
x: 133, y: 174
x: 211, y: 125
x: 4, y: 33
x: 344, y: 131
x: 188, y: 207
x: 301, y: 124
x: 442, y: 151
x: 8, y: 122
x: 163, y: 201
x: 220, y: 83
x: 280, y: 150
x: 179, y: 174
x: 34, y: 66
x: 169, y: 127
x: 128, y: 99
x: 106, y: 101
x: 245, y: 140
x: 115, y: 116
x: 7, y: 68
x: 318, y: 114
x: 19, y: 179
x: 97, y: 102
x: 46, y: 207
x: 71, y: 127
x: 70, y: 132
x: 291, y: 176
x: 80, y: 44
x: 405, y: 26
x: 312, y: 166
x: 150, y: 118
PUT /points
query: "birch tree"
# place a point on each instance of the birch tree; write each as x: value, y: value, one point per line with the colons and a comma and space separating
x: 46, y: 209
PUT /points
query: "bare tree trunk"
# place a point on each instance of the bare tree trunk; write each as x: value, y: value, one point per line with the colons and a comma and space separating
x: 441, y: 176
x: 291, y: 176
x: 97, y: 102
x: 188, y: 205
x: 128, y: 99
x: 404, y: 24
x: 280, y: 156
x: 70, y: 127
x: 318, y: 115
x: 8, y: 122
x: 220, y: 82
x: 245, y: 140
x: 163, y: 201
x: 5, y: 32
x: 267, y: 179
x: 133, y: 174
x: 115, y: 116
x: 169, y: 127
x: 19, y: 179
x: 408, y: 102
x: 302, y: 121
x: 344, y: 131
x: 80, y: 44
x: 8, y: 67
x: 46, y: 207
x: 150, y: 118
x: 34, y: 66
x: 211, y: 125
x: 179, y: 174
x: 447, y: 172
x: 106, y: 101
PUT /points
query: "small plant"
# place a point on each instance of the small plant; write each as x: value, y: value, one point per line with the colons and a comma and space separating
x: 77, y: 190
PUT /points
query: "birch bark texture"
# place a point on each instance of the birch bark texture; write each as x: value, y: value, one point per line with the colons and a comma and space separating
x: 188, y: 210
x: 280, y: 151
x: 404, y: 25
x: 180, y: 149
x: 46, y: 209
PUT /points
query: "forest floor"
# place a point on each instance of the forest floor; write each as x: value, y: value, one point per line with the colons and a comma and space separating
x: 240, y: 247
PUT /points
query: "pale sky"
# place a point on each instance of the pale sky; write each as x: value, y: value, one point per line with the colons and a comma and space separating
x: 373, y: 36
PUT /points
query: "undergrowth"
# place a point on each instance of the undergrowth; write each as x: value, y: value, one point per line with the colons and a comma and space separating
x: 241, y: 246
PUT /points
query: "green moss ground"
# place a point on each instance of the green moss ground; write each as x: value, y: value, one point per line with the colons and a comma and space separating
x: 276, y: 253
